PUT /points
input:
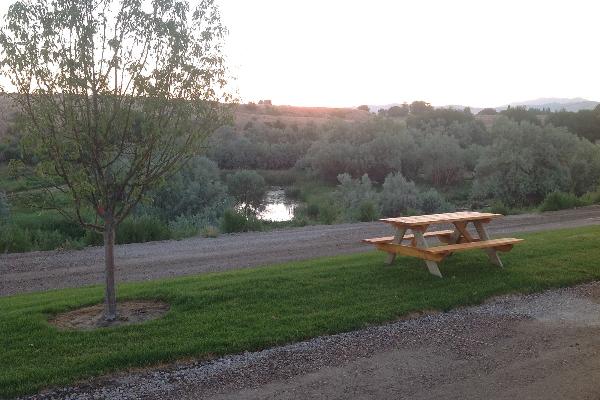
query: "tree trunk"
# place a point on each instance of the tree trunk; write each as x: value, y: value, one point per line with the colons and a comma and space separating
x: 110, y: 310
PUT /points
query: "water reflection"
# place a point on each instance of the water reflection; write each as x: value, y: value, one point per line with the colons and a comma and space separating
x: 278, y: 207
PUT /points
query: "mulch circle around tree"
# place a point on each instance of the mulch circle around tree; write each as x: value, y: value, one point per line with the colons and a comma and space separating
x: 92, y: 317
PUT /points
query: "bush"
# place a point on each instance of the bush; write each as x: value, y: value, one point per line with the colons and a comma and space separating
x: 142, y: 229
x: 4, y: 208
x: 431, y: 202
x: 234, y: 221
x: 47, y: 240
x: 14, y: 239
x: 328, y: 213
x: 133, y: 230
x: 353, y: 195
x: 293, y: 192
x: 560, y: 201
x: 196, y: 188
x: 591, y: 197
x: 248, y: 188
x: 279, y: 177
x: 498, y: 207
x: 184, y: 227
x: 210, y: 231
x: 368, y: 211
x: 398, y: 195
x: 187, y: 226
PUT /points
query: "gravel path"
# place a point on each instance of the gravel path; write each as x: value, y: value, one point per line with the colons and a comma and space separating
x: 516, y: 347
x: 37, y: 271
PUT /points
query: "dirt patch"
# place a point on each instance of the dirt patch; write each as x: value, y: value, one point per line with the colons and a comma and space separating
x: 92, y: 317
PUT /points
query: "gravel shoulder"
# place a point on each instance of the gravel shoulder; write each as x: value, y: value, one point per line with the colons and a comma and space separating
x: 39, y: 271
x: 513, y: 347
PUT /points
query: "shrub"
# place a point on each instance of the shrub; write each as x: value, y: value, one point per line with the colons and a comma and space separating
x: 248, y: 189
x: 560, y: 201
x: 328, y: 212
x: 183, y: 227
x: 234, y: 221
x: 194, y: 189
x: 353, y: 193
x: 431, y: 202
x: 591, y: 197
x: 498, y: 207
x: 186, y: 226
x: 279, y: 177
x: 134, y: 230
x: 47, y: 240
x: 210, y: 231
x: 312, y: 210
x: 14, y: 239
x: 368, y: 211
x: 398, y: 195
x: 4, y: 208
x: 293, y: 192
x: 142, y: 229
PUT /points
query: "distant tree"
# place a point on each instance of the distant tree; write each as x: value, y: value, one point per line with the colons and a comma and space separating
x: 443, y: 163
x: 398, y: 111
x: 585, y: 123
x: 488, y: 111
x: 420, y: 107
x: 522, y: 113
x: 467, y: 111
x: 116, y: 95
x: 251, y: 106
x: 526, y: 162
x: 261, y: 102
x: 267, y: 102
x: 364, y: 107
x: 248, y: 188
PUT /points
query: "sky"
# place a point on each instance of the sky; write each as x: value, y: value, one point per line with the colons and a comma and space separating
x: 477, y: 53
x: 459, y: 52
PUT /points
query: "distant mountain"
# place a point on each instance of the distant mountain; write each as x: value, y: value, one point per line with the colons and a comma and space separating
x: 553, y: 103
x: 556, y: 104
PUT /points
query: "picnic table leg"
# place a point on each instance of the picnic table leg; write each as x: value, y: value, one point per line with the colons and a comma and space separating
x: 483, y: 235
x: 397, y: 240
x: 431, y: 265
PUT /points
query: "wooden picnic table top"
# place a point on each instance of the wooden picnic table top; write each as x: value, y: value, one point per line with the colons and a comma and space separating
x: 440, y: 218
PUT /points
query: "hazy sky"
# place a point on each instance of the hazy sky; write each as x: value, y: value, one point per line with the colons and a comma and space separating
x: 346, y: 52
x: 480, y: 53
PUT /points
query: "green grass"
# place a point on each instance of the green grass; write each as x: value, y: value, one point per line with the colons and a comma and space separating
x: 230, y: 312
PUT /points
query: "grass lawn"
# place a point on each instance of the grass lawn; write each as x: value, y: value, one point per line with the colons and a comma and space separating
x: 216, y: 314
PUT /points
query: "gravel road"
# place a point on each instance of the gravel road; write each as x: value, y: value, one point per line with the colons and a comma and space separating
x: 542, y: 346
x: 38, y: 271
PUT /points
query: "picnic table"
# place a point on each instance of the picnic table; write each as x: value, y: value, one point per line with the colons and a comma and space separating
x: 457, y: 239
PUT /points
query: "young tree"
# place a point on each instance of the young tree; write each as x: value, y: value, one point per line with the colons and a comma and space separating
x: 116, y: 95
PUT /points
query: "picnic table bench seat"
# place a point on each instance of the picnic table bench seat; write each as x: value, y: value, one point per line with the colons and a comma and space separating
x: 389, y: 239
x: 504, y: 244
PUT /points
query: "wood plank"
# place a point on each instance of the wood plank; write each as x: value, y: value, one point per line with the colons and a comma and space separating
x: 388, y: 239
x: 462, y: 228
x: 440, y: 218
x: 409, y: 251
x: 491, y: 252
x: 400, y: 232
x: 482, y: 244
x: 431, y: 264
